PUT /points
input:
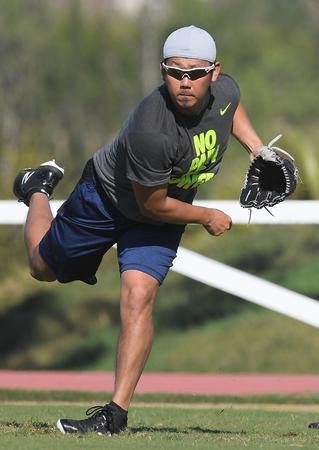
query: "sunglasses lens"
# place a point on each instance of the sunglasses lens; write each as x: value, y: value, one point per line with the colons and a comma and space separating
x: 199, y: 73
x: 175, y: 73
x: 179, y: 74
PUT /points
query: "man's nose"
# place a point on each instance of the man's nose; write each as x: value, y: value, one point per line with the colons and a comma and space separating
x: 185, y: 81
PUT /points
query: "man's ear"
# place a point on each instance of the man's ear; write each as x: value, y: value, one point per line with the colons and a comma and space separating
x: 216, y: 71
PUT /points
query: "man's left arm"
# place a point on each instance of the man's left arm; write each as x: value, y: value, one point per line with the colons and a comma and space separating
x: 245, y: 133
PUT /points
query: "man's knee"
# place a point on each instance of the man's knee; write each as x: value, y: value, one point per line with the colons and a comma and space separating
x: 39, y: 268
x: 41, y: 272
x: 42, y: 275
x: 138, y: 294
x: 137, y: 302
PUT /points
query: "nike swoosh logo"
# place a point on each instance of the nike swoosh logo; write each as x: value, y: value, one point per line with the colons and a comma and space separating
x: 223, y: 111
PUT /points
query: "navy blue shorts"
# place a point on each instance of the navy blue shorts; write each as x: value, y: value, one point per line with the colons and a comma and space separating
x: 87, y: 225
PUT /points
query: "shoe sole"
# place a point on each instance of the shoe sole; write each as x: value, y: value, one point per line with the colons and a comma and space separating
x: 52, y: 163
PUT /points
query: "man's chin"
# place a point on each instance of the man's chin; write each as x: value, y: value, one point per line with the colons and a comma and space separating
x: 187, y: 106
x: 186, y: 102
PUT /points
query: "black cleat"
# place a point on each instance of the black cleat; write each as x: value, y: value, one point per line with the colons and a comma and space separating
x: 43, y: 179
x: 104, y: 420
x: 314, y: 425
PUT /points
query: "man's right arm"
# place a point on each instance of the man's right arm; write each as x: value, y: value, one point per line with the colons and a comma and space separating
x: 154, y: 203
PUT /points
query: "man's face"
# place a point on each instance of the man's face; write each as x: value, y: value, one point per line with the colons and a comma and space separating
x: 188, y: 94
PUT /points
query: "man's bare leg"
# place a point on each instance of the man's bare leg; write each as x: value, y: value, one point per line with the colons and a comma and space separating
x: 138, y: 294
x: 38, y: 222
x: 34, y: 187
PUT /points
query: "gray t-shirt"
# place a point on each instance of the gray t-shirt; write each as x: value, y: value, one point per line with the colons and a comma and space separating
x: 157, y: 145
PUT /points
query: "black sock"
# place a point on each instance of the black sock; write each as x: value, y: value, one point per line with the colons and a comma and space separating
x: 118, y: 407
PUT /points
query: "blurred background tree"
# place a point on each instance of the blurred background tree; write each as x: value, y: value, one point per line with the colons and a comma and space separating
x: 70, y: 73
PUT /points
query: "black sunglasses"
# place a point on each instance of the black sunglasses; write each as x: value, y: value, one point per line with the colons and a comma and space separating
x: 192, y: 74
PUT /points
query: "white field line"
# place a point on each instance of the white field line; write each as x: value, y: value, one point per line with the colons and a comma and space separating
x: 14, y: 213
x: 223, y: 407
x: 289, y: 212
x: 219, y: 407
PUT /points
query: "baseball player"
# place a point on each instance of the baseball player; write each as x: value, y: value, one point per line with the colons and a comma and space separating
x: 137, y: 192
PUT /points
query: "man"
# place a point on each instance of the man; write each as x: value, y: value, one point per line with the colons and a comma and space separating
x: 137, y: 192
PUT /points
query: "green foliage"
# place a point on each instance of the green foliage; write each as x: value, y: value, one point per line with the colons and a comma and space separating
x: 252, y: 341
x: 75, y: 326
x: 66, y: 85
x: 68, y: 80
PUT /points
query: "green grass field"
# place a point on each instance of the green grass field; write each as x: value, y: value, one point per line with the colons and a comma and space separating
x: 264, y: 422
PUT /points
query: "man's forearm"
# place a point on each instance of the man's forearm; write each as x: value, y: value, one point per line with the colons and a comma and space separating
x: 172, y: 210
x: 244, y: 131
x: 154, y: 203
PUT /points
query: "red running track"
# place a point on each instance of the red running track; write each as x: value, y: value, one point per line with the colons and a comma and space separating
x: 221, y: 384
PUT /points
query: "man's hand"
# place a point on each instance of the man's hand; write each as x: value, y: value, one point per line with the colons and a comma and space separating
x: 218, y: 222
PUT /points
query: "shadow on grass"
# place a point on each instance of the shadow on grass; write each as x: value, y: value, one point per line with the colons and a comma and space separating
x: 182, y: 430
x: 46, y: 427
x: 34, y: 425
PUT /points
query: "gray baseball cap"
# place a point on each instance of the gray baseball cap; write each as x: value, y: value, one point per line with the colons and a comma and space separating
x: 190, y: 42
